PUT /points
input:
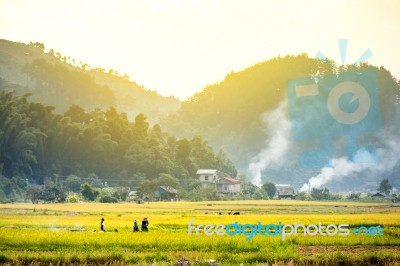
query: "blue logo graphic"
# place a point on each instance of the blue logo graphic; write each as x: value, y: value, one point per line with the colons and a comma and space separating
x: 368, y: 231
x: 280, y: 229
x: 330, y: 106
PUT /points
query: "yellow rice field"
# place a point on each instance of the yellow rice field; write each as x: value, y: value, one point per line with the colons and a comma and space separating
x: 69, y: 234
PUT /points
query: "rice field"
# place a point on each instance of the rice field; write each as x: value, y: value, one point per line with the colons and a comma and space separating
x: 68, y: 234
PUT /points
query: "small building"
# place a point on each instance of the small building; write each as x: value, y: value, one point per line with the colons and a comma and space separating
x: 228, y: 185
x: 133, y: 196
x: 223, y: 182
x: 207, y: 176
x: 285, y: 191
x: 165, y: 193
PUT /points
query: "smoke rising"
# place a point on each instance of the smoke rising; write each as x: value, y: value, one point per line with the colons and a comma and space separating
x: 276, y: 146
x: 342, y: 168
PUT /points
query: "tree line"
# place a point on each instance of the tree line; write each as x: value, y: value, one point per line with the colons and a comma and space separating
x: 41, y: 147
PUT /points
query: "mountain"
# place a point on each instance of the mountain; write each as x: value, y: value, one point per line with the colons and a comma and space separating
x: 56, y: 80
x: 245, y: 115
x: 133, y: 99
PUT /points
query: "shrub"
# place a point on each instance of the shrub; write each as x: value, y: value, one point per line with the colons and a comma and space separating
x: 354, y: 196
x: 108, y: 199
x: 72, y: 198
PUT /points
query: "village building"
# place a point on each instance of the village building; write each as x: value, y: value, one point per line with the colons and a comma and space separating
x: 228, y: 185
x: 222, y: 182
x: 165, y: 193
x: 285, y: 191
x: 207, y: 176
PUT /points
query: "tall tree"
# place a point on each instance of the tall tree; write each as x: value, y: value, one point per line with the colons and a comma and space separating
x: 141, y: 125
x: 270, y: 189
x: 202, y: 154
x: 167, y: 180
x: 224, y: 164
x: 18, y: 140
x: 320, y: 193
x: 385, y: 187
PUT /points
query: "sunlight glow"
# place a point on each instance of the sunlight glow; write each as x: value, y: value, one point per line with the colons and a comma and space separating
x: 178, y: 47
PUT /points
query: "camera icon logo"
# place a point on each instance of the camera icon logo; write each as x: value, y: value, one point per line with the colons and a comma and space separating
x: 358, y: 93
x: 330, y: 106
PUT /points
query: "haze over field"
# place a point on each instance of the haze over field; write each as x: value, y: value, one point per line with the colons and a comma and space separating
x: 239, y: 123
x: 178, y: 47
x: 236, y: 116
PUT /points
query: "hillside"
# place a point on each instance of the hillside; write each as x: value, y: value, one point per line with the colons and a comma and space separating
x: 54, y: 80
x: 246, y: 114
x: 60, y: 152
x: 133, y: 99
x: 243, y: 115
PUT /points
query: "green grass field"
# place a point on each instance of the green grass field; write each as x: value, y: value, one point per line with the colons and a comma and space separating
x: 65, y: 234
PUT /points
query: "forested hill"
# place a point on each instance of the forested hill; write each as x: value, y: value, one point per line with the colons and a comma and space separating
x: 38, y: 145
x: 229, y: 114
x: 60, y: 81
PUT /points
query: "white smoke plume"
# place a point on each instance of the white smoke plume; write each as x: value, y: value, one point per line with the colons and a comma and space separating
x: 342, y: 168
x: 276, y: 146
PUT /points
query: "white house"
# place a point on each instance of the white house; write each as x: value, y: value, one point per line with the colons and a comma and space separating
x: 207, y: 176
x: 223, y: 183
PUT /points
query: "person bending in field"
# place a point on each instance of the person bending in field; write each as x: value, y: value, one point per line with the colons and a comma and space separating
x: 135, y: 226
x: 102, y: 225
x: 145, y: 224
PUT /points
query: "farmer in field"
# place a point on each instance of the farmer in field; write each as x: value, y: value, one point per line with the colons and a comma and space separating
x: 145, y: 224
x: 135, y: 226
x: 102, y: 225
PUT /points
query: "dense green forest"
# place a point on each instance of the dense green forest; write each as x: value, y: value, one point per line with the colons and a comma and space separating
x: 38, y: 146
x: 230, y: 114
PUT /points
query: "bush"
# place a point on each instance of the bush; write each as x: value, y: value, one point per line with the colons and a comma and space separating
x: 88, y: 192
x: 302, y: 196
x: 108, y: 199
x: 73, y: 183
x: 72, y: 198
x: 354, y: 196
x: 121, y: 193
x: 320, y: 194
x: 53, y: 193
x: 3, y: 197
x: 204, y: 194
x: 335, y: 197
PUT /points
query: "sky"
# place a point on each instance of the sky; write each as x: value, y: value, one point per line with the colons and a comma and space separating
x: 179, y: 47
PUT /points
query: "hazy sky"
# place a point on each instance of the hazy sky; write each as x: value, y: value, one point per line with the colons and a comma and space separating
x: 178, y: 47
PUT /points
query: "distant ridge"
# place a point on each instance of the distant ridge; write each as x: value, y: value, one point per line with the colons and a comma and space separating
x: 56, y: 80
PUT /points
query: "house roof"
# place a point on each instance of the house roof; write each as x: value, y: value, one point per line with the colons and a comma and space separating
x: 206, y: 171
x: 169, y: 189
x: 285, y: 191
x: 282, y: 185
x: 231, y: 180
